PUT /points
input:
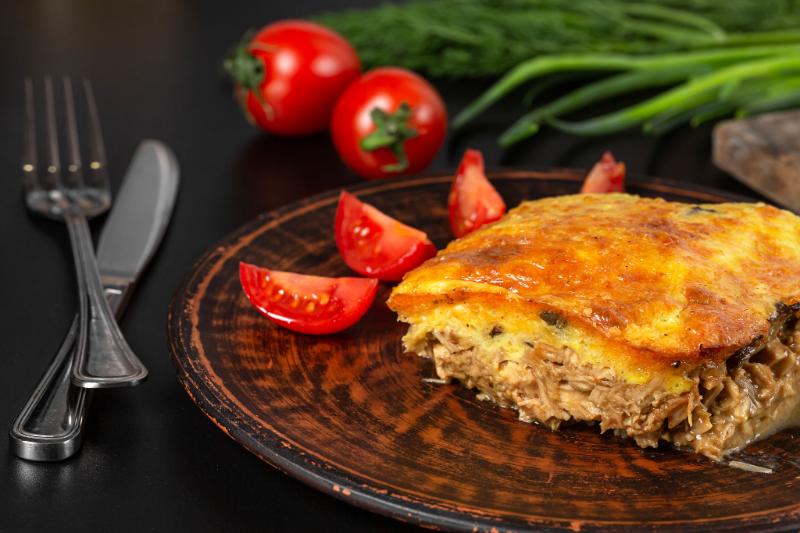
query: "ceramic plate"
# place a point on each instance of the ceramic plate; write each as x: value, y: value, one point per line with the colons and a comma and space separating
x: 350, y: 414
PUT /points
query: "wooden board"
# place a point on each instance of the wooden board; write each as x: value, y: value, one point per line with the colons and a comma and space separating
x: 350, y: 415
x: 763, y: 152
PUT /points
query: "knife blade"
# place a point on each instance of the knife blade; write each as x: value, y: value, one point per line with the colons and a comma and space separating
x: 126, y: 244
x: 50, y: 426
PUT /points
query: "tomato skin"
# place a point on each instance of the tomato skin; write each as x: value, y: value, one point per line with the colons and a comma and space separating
x: 386, y: 89
x: 606, y: 176
x: 307, y: 304
x: 473, y: 200
x: 306, y: 68
x: 361, y: 229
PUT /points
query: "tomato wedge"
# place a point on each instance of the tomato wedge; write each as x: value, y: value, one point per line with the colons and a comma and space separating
x: 376, y: 245
x: 307, y: 304
x: 473, y: 200
x: 606, y: 176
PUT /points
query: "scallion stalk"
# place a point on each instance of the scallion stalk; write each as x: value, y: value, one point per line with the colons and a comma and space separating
x: 616, y: 85
x: 544, y: 65
x: 639, y: 113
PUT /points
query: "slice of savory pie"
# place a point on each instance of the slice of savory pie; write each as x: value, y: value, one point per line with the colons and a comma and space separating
x: 658, y: 320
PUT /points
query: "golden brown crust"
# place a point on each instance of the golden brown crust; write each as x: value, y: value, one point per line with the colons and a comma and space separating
x: 660, y: 281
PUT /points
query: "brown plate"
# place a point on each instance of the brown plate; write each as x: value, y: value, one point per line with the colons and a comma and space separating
x: 350, y: 415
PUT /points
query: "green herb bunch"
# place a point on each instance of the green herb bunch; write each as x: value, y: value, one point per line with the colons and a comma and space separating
x: 710, y: 58
x: 482, y: 38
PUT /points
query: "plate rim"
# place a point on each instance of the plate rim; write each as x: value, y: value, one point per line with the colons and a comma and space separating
x: 284, y: 457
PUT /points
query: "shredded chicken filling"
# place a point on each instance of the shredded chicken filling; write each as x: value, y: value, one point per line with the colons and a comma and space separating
x: 726, y: 408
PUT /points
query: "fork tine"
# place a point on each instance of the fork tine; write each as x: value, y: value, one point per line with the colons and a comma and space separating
x: 74, y: 176
x: 97, y: 175
x: 52, y: 179
x: 29, y: 140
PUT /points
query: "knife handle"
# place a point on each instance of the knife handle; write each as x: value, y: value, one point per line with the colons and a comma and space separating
x: 50, y: 426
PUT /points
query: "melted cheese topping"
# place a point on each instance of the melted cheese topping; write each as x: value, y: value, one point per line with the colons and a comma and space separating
x: 644, y: 286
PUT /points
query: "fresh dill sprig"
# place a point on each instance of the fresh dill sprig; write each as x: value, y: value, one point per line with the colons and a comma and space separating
x: 485, y: 38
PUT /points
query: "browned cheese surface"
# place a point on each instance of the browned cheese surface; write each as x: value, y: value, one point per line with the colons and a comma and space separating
x: 652, y: 280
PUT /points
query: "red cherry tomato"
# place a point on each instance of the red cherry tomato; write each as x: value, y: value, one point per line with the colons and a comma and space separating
x: 376, y: 245
x: 388, y: 122
x: 307, y: 304
x: 289, y: 75
x: 606, y: 176
x: 473, y: 200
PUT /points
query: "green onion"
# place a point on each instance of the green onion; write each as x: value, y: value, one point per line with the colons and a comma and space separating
x: 711, y: 111
x: 693, y: 89
x: 604, y: 62
x: 594, y: 92
x: 677, y: 16
x: 788, y: 96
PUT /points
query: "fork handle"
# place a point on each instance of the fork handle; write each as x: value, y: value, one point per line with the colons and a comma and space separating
x: 103, y: 358
x: 50, y: 426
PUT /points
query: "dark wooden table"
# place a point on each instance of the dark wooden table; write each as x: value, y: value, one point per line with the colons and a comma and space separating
x: 151, y: 460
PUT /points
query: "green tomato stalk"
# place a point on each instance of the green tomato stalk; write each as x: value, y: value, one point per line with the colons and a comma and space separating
x: 391, y: 131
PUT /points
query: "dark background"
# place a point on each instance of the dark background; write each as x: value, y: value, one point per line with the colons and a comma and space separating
x: 151, y: 460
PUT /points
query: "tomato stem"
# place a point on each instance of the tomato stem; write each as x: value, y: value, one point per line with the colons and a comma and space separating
x: 247, y: 72
x: 391, y: 131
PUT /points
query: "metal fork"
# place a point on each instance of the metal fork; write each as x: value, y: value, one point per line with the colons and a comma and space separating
x: 102, y: 357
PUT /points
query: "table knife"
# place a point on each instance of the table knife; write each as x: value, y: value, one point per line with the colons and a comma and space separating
x: 50, y: 426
